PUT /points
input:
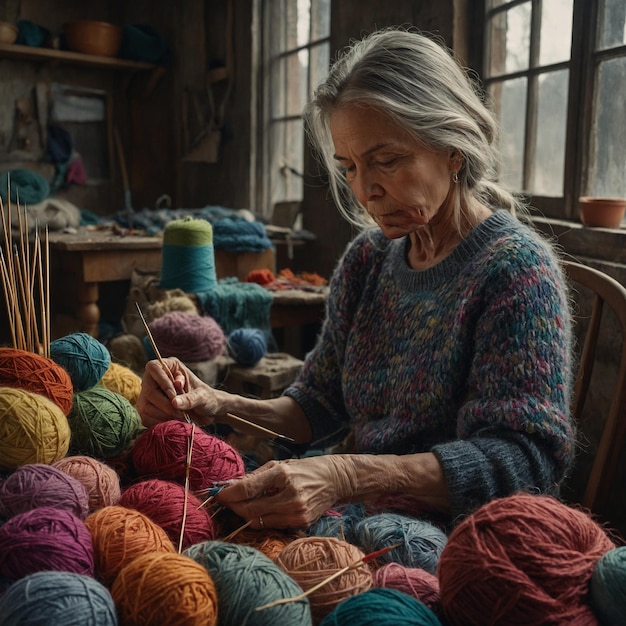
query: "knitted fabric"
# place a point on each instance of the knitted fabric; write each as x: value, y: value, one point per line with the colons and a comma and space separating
x: 469, y: 359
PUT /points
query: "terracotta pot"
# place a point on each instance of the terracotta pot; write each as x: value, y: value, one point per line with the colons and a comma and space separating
x: 602, y: 212
x: 98, y: 38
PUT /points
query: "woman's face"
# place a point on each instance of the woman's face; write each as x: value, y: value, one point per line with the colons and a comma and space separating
x: 401, y: 184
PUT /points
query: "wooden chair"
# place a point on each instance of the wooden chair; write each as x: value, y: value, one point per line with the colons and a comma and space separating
x: 606, y: 291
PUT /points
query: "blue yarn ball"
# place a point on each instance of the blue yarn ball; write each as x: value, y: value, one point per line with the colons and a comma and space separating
x: 338, y: 522
x: 608, y: 587
x: 245, y: 579
x: 84, y: 358
x: 247, y: 346
x: 381, y: 607
x: 57, y: 599
x: 421, y: 542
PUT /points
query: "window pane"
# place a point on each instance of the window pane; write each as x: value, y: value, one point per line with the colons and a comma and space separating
x: 509, y: 40
x: 556, y: 31
x: 612, y: 23
x: 277, y: 100
x: 286, y: 158
x: 606, y: 176
x: 296, y: 85
x: 551, y: 127
x: 320, y: 19
x: 320, y: 55
x: 509, y: 98
x: 303, y: 10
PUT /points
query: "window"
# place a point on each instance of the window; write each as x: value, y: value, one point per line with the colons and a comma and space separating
x: 296, y: 53
x: 555, y: 72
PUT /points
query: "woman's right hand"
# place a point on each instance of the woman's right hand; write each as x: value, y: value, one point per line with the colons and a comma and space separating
x: 161, y: 399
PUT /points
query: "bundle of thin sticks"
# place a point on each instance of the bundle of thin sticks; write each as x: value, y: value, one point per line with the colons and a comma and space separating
x: 25, y: 271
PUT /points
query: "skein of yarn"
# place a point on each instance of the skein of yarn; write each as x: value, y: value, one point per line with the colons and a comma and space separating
x: 521, y: 559
x: 37, y: 484
x: 43, y: 539
x: 100, y: 480
x: 163, y: 589
x: 608, y: 587
x: 413, y: 581
x: 120, y: 535
x: 161, y: 452
x: 247, y: 346
x: 26, y: 370
x: 57, y: 599
x: 269, y: 542
x: 311, y: 560
x: 83, y: 357
x: 188, y: 258
x: 246, y: 579
x: 32, y: 429
x: 122, y: 380
x: 381, y: 607
x: 189, y: 337
x: 420, y: 541
x: 104, y: 424
x: 164, y: 503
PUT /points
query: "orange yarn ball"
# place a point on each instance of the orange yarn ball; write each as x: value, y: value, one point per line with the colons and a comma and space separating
x: 270, y: 542
x: 261, y: 276
x: 525, y: 559
x: 163, y: 589
x: 121, y: 535
x: 101, y: 480
x: 122, y: 380
x: 37, y: 374
x: 310, y: 560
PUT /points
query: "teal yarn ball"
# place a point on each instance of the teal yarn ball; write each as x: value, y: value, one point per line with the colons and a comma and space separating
x: 381, y: 607
x: 245, y: 579
x: 421, y: 542
x: 57, y: 599
x: 103, y: 423
x: 247, y: 346
x: 608, y: 587
x: 84, y: 358
x: 27, y: 187
x: 338, y: 522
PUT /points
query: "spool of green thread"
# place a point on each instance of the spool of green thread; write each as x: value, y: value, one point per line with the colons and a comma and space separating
x: 188, y: 258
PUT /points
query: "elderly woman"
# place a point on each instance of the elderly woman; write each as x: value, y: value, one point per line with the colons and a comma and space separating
x: 446, y: 345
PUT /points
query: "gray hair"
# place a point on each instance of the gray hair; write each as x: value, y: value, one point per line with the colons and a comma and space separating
x: 419, y: 85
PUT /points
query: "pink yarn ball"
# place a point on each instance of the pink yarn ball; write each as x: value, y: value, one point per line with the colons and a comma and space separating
x: 413, y: 581
x: 45, y: 539
x: 35, y: 485
x: 189, y: 337
x: 164, y: 503
x: 161, y: 452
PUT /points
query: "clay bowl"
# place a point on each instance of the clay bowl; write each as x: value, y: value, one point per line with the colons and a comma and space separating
x: 602, y: 212
x: 97, y: 38
x: 8, y: 32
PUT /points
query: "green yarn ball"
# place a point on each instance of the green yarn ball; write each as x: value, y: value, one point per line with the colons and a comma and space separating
x: 104, y: 424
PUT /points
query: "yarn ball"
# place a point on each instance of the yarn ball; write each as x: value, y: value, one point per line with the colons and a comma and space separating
x: 161, y: 452
x: 171, y: 300
x: 189, y: 337
x: 269, y: 542
x: 57, y: 599
x: 246, y: 579
x: 104, y: 424
x: 164, y: 589
x: 310, y: 560
x: 32, y: 429
x: 129, y: 349
x: 420, y: 541
x: 100, y: 480
x: 413, y: 581
x: 521, y: 559
x: 164, y: 503
x: 381, y: 607
x: 83, y: 357
x: 37, y: 484
x: 608, y: 587
x: 120, y: 535
x: 338, y: 522
x: 122, y: 380
x: 261, y: 276
x: 247, y: 346
x: 32, y: 372
x: 43, y: 539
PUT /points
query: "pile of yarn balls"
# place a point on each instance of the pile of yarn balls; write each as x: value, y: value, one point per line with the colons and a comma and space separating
x: 102, y: 522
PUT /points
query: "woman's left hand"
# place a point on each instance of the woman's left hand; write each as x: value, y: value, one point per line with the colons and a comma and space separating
x: 292, y: 493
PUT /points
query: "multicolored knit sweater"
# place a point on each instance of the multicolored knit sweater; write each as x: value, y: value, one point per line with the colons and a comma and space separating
x: 469, y: 359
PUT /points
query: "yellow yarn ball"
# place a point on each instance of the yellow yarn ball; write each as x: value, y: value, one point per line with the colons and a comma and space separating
x: 122, y: 380
x: 32, y: 429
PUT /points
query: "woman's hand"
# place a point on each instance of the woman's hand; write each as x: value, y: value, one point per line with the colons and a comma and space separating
x: 161, y: 399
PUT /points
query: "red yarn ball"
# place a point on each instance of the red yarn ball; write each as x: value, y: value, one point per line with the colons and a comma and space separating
x: 261, y: 276
x: 164, y: 503
x: 21, y: 369
x: 525, y: 559
x: 413, y: 581
x: 161, y: 452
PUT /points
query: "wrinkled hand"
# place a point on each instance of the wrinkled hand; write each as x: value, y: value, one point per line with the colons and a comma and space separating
x: 162, y: 400
x: 292, y: 493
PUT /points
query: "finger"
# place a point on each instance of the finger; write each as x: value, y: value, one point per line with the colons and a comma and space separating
x: 251, y: 486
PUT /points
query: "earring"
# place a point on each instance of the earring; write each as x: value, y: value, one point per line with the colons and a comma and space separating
x: 455, y: 178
